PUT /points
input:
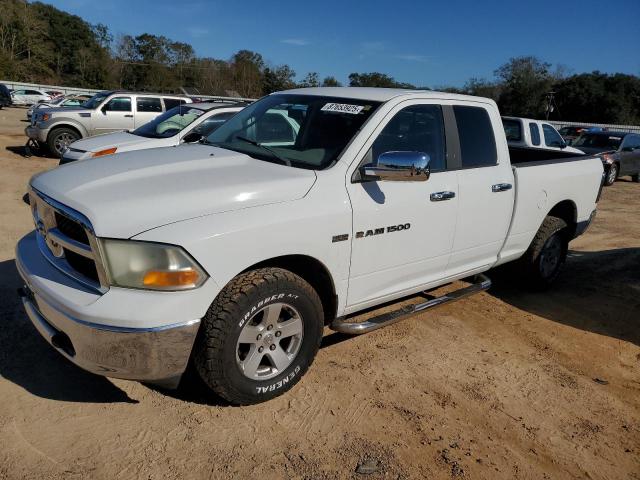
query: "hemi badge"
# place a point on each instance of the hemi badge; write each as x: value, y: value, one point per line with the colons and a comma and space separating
x: 340, y: 238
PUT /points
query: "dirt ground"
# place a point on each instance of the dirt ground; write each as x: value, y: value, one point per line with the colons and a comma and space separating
x: 505, y: 384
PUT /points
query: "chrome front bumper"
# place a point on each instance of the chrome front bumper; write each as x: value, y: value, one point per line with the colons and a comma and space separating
x: 154, y: 355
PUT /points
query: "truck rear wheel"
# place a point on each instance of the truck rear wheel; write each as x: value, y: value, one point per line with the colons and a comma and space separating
x: 544, y: 258
x: 59, y: 139
x: 259, y: 336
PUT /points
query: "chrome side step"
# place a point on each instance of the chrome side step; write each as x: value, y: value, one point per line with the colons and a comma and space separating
x: 479, y: 284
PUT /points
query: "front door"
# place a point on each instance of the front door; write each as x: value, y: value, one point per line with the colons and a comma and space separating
x: 402, y: 231
x: 115, y: 115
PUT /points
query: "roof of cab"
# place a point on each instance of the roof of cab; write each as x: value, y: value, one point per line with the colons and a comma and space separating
x: 377, y: 94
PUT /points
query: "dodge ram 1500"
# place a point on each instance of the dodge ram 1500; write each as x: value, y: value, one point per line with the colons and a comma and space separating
x: 234, y: 254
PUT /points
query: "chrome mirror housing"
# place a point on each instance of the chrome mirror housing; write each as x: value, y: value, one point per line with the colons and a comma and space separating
x: 398, y: 167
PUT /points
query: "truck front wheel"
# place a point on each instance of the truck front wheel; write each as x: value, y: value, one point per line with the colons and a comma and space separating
x: 544, y: 258
x: 259, y: 336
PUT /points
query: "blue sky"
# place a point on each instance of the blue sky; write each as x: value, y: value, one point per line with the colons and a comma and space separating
x: 422, y: 42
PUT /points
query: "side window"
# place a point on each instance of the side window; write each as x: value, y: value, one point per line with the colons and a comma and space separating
x: 477, y: 139
x: 631, y: 141
x: 119, y: 104
x: 418, y: 128
x: 33, y: 92
x: 551, y: 137
x: 535, y: 133
x: 212, y: 123
x: 18, y: 92
x: 169, y: 103
x: 148, y: 104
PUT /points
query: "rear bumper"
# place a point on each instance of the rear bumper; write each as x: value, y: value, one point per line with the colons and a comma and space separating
x: 156, y: 355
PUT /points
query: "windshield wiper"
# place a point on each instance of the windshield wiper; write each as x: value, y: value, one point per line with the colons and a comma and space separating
x: 273, y: 153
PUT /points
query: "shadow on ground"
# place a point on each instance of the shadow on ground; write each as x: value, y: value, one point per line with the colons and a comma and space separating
x: 27, y: 360
x: 597, y: 291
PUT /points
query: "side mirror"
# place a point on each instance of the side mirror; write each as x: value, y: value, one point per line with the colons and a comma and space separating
x: 398, y: 167
x: 192, y: 137
x: 563, y: 145
x: 104, y: 109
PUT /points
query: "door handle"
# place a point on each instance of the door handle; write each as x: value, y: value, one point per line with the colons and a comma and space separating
x: 441, y: 196
x: 501, y: 187
x: 128, y: 116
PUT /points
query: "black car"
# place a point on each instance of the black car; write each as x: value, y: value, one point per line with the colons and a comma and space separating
x: 5, y: 96
x: 620, y: 152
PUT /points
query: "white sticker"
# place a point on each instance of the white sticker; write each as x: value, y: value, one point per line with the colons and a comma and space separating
x: 342, y: 108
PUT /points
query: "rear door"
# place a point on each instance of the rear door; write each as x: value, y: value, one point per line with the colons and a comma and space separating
x: 630, y: 155
x: 147, y: 108
x: 402, y: 231
x: 114, y: 115
x: 485, y: 185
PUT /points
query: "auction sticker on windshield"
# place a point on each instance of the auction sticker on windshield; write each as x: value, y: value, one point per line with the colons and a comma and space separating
x: 342, y: 108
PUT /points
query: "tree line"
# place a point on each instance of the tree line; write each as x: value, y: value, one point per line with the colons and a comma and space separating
x: 41, y: 44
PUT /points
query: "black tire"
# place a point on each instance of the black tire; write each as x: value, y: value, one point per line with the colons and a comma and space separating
x: 60, y: 137
x: 612, y: 174
x: 217, y: 352
x: 543, y: 259
x: 636, y: 177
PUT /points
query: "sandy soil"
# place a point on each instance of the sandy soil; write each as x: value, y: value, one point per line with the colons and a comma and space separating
x: 506, y: 384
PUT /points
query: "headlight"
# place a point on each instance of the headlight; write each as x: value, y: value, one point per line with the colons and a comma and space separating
x: 106, y: 151
x: 153, y: 266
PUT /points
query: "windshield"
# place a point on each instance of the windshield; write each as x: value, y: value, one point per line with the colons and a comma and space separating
x: 306, y: 131
x: 96, y: 100
x: 170, y: 122
x: 605, y: 142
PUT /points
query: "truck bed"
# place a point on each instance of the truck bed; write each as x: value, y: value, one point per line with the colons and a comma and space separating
x: 545, y: 180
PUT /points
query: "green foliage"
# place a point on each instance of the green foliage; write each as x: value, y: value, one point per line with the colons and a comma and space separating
x: 375, y: 79
x: 41, y: 44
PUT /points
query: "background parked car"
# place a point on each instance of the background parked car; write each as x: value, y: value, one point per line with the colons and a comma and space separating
x: 571, y: 133
x: 29, y: 96
x: 105, y: 112
x: 182, y: 124
x: 529, y: 133
x: 54, y: 93
x: 64, y: 101
x: 620, y: 152
x: 5, y: 96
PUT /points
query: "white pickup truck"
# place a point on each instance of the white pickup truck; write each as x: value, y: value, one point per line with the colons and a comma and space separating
x: 234, y: 254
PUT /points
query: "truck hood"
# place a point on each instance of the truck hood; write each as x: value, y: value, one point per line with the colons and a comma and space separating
x: 122, y: 140
x: 136, y: 191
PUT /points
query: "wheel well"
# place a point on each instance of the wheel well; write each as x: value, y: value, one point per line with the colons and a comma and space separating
x: 312, y: 271
x: 70, y: 127
x: 566, y: 210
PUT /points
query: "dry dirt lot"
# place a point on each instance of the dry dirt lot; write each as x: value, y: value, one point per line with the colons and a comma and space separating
x: 506, y: 384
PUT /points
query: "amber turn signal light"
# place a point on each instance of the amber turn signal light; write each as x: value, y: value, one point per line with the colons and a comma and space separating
x: 170, y: 278
x: 107, y: 151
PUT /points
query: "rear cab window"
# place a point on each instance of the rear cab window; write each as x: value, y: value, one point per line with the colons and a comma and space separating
x: 512, y: 129
x: 535, y: 133
x: 476, y: 136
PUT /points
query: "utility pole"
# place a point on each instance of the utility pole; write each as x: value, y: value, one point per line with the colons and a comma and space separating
x: 551, y: 104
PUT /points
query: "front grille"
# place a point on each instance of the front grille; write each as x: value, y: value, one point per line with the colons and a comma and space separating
x: 71, y: 229
x: 66, y: 239
x: 83, y: 265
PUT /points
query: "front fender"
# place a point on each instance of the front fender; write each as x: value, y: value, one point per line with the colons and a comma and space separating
x: 67, y: 122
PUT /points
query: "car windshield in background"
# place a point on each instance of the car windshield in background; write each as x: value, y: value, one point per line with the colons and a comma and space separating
x: 306, y: 131
x: 512, y: 129
x: 169, y: 123
x: 595, y: 140
x: 94, y: 101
